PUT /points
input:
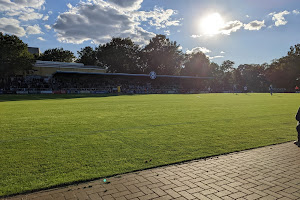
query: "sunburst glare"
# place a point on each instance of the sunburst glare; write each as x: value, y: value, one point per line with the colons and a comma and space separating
x: 212, y: 24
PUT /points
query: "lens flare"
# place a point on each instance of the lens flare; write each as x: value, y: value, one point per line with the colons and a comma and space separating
x: 212, y: 24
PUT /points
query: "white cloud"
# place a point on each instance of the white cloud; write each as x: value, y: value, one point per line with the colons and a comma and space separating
x: 50, y: 12
x: 255, y: 25
x: 222, y: 52
x: 23, y: 10
x: 46, y: 17
x: 30, y: 16
x: 279, y: 17
x: 296, y: 12
x: 69, y: 6
x: 247, y: 16
x: 230, y: 27
x: 9, y: 5
x: 5, y: 5
x: 40, y: 38
x: 13, y: 13
x: 48, y: 27
x: 214, y: 57
x: 167, y: 32
x: 36, y: 4
x: 33, y: 30
x: 198, y: 49
x: 180, y: 48
x: 17, y: 10
x: 159, y: 17
x: 128, y: 5
x: 196, y: 36
x: 98, y: 21
x: 11, y: 26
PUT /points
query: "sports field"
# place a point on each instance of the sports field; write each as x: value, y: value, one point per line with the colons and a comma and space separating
x: 52, y: 140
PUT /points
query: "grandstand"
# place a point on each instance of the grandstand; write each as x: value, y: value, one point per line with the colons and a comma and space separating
x: 49, y: 77
x: 48, y: 68
x: 82, y: 82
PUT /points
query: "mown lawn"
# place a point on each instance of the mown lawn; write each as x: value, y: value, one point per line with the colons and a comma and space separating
x: 53, y: 140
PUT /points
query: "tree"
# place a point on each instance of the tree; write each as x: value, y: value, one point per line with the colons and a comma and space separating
x: 223, y: 75
x: 14, y: 56
x: 120, y: 55
x: 253, y: 75
x: 87, y: 56
x: 285, y: 72
x: 57, y: 54
x: 197, y: 64
x: 216, y: 83
x: 227, y: 66
x: 163, y: 56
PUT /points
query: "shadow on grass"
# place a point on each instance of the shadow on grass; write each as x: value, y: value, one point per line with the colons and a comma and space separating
x: 9, y: 97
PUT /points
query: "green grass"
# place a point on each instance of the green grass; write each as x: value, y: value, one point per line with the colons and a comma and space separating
x: 51, y: 140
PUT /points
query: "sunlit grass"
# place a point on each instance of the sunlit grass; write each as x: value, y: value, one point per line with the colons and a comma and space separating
x: 59, y: 140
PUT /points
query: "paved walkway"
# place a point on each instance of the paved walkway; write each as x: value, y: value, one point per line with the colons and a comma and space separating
x: 271, y: 172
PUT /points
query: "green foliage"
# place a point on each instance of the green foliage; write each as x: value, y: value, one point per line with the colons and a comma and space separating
x: 285, y: 72
x: 227, y: 66
x: 14, y: 56
x: 253, y: 76
x: 87, y: 56
x: 197, y: 64
x: 52, y: 141
x: 163, y: 56
x: 223, y: 76
x: 120, y: 55
x: 57, y: 54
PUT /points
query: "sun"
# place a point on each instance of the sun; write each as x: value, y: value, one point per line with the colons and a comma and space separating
x: 212, y: 24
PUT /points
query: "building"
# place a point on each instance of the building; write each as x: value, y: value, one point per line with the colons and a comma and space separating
x: 48, y: 68
x: 34, y: 50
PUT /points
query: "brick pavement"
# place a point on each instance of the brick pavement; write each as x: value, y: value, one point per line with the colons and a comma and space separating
x: 271, y: 172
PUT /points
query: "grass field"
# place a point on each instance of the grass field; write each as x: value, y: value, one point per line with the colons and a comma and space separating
x: 51, y: 140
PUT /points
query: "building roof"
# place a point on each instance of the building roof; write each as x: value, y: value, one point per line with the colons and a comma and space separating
x: 136, y: 75
x: 41, y: 63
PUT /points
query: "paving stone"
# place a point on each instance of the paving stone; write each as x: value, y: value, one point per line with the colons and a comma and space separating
x: 155, y: 185
x: 172, y: 193
x: 148, y: 196
x: 94, y: 197
x: 145, y: 190
x: 237, y: 195
x: 181, y: 188
x: 201, y: 196
x: 120, y: 194
x: 214, y: 197
x: 209, y: 191
x: 269, y: 197
x: 166, y: 197
x: 134, y: 195
x: 186, y: 195
x: 223, y: 193
x: 252, y: 197
x: 159, y: 192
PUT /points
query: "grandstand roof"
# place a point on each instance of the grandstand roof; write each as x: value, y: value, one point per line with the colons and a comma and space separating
x: 124, y: 74
x: 41, y: 63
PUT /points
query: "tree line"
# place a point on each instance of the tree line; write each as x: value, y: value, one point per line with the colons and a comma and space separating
x: 122, y: 55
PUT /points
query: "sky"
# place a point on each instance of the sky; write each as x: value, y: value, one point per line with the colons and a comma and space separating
x: 243, y: 31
